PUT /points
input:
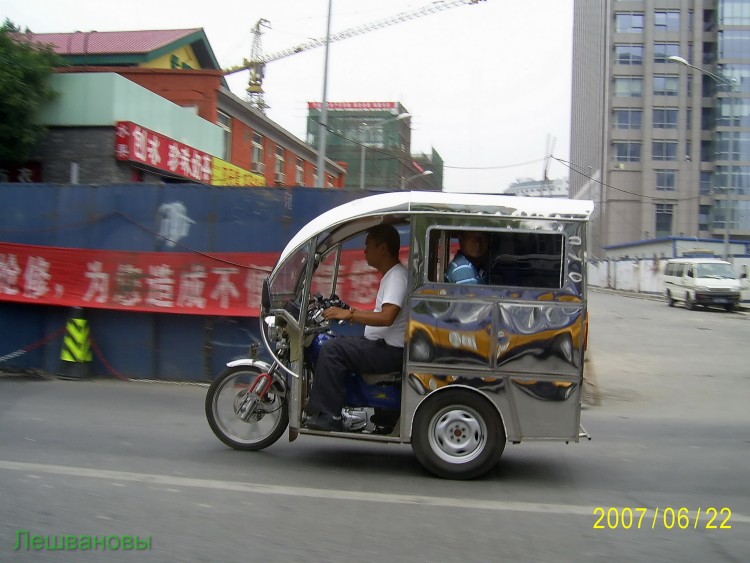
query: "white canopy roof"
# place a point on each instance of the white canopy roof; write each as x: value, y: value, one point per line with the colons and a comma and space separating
x: 449, y: 202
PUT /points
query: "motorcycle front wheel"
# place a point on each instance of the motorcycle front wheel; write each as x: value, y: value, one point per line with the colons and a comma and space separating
x: 229, y: 394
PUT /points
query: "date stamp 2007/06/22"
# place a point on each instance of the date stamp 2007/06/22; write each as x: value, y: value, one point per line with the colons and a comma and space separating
x: 668, y: 518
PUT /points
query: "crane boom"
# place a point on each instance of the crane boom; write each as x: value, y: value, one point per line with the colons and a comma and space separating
x: 258, y: 61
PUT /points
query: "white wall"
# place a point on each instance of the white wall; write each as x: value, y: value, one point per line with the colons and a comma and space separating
x: 645, y: 276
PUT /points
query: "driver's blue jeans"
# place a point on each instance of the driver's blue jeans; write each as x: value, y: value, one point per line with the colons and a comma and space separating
x: 342, y: 356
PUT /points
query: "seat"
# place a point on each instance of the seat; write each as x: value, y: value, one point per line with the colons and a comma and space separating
x: 375, y: 378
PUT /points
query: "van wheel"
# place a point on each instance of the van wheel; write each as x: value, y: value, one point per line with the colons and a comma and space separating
x: 458, y: 435
x: 730, y: 307
x: 689, y: 303
x: 670, y: 301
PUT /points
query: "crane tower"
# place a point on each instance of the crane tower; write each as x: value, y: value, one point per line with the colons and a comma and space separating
x: 257, y: 62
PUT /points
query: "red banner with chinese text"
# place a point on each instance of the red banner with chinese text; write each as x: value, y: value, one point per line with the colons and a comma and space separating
x: 226, y: 283
x: 138, y: 144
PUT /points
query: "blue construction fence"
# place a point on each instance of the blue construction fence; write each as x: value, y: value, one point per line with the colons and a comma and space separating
x: 130, y: 217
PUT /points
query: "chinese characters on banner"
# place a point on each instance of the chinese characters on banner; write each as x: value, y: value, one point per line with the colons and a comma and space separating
x: 224, y: 283
x: 138, y: 144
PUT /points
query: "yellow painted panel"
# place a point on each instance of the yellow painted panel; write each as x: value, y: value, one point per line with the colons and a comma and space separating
x: 178, y: 58
x: 227, y: 174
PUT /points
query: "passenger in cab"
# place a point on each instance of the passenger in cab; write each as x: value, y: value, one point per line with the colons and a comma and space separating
x: 469, y: 265
x: 381, y: 350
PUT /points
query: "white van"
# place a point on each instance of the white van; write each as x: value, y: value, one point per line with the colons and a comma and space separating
x: 701, y: 281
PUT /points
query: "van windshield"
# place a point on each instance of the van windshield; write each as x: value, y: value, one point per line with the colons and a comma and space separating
x: 718, y: 271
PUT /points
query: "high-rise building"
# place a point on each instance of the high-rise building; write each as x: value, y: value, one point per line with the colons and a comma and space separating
x: 660, y: 130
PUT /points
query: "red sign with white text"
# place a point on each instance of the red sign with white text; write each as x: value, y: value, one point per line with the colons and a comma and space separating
x: 138, y: 144
x: 353, y: 106
x: 226, y: 283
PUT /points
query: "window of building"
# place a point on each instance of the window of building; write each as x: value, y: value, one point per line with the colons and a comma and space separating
x: 629, y: 22
x: 736, y: 177
x: 733, y: 112
x: 666, y: 21
x: 665, y: 118
x: 627, y: 151
x: 666, y: 180
x: 258, y: 157
x: 279, y: 175
x: 315, y: 177
x: 666, y: 85
x: 704, y: 217
x: 519, y: 259
x: 225, y: 122
x: 627, y: 54
x: 628, y: 118
x: 664, y: 150
x: 628, y: 87
x: 732, y: 145
x: 705, y: 182
x: 738, y: 76
x: 300, y: 172
x: 662, y: 51
x: 734, y: 44
x: 734, y: 12
x: 664, y: 214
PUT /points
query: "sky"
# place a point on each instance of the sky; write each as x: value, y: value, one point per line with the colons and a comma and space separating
x: 488, y: 85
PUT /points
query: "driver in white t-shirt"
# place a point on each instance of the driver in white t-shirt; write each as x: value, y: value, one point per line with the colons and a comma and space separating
x: 381, y: 350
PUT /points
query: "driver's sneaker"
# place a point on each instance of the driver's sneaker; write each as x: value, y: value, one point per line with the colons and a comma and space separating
x: 324, y: 422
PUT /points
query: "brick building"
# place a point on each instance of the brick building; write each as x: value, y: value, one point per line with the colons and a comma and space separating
x: 165, y: 90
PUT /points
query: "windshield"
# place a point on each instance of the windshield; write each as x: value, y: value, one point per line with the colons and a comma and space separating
x: 287, y: 280
x: 718, y: 271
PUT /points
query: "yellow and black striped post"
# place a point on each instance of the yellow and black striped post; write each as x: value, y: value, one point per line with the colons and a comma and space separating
x: 76, y: 353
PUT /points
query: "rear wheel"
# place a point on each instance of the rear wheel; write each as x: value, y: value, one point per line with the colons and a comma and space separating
x: 458, y: 435
x: 730, y: 307
x: 229, y: 398
x: 670, y: 300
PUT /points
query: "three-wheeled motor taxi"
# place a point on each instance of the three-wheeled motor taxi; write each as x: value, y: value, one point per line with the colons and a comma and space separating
x: 484, y: 364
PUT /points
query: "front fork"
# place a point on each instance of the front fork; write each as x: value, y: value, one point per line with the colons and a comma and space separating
x: 253, y: 401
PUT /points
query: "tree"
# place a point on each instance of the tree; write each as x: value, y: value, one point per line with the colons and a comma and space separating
x: 24, y: 88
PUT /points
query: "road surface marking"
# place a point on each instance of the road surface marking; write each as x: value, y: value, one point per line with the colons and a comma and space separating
x: 308, y: 492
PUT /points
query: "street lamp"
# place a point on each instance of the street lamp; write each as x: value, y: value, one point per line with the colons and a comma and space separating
x: 399, y: 117
x: 405, y: 181
x: 727, y: 189
x: 322, y: 126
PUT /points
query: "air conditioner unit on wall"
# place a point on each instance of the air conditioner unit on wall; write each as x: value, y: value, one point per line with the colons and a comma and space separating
x: 258, y: 167
x: 280, y: 178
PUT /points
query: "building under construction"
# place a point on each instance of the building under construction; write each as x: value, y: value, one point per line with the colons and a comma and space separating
x: 373, y: 140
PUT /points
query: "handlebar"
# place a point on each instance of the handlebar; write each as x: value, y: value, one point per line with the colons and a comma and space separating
x: 318, y: 304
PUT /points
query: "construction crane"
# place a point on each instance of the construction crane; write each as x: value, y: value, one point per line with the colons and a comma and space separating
x: 257, y: 62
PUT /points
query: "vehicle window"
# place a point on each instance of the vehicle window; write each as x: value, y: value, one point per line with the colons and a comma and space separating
x: 719, y: 271
x: 287, y: 284
x: 690, y: 272
x: 322, y: 281
x: 519, y: 259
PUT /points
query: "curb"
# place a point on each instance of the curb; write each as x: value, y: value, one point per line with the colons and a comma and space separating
x: 743, y: 306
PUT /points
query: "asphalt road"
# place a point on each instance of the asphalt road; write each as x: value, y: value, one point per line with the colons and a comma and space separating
x: 114, y: 459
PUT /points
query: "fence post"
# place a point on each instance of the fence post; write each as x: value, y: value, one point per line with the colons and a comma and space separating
x: 76, y: 353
